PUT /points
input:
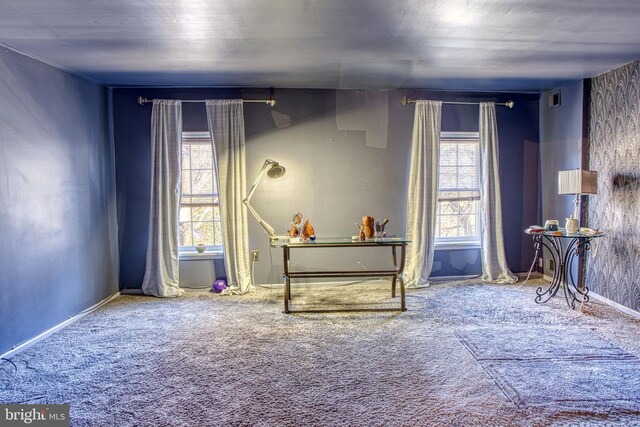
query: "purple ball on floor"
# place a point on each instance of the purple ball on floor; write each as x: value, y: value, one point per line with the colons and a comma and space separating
x: 219, y: 286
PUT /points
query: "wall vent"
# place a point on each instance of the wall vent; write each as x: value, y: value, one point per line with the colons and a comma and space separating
x: 554, y: 99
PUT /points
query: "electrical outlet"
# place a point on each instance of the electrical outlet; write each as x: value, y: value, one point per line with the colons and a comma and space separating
x: 255, y: 255
x: 552, y: 265
x: 540, y: 264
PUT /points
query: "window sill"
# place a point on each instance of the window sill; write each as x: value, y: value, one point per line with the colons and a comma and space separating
x: 447, y: 246
x: 192, y: 255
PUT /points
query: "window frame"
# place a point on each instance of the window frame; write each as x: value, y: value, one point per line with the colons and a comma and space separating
x: 212, y: 251
x: 444, y: 243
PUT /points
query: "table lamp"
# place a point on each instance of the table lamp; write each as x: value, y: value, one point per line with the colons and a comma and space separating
x: 275, y: 170
x: 578, y: 182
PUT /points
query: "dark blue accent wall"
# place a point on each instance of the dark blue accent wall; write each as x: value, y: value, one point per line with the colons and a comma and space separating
x: 132, y: 133
x: 518, y: 134
x: 332, y: 175
x: 58, y: 245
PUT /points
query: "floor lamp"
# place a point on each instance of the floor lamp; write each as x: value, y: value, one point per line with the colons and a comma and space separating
x: 274, y: 170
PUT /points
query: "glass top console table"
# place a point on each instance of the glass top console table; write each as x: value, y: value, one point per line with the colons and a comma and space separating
x: 393, y: 243
x: 564, y: 248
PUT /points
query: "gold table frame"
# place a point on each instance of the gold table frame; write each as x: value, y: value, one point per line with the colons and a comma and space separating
x: 395, y: 273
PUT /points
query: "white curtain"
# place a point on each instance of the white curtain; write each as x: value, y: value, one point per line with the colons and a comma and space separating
x: 422, y: 197
x: 494, y: 261
x: 161, y: 277
x: 226, y: 124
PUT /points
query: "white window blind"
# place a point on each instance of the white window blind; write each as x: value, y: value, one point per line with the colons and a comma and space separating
x: 457, y: 217
x: 199, y: 204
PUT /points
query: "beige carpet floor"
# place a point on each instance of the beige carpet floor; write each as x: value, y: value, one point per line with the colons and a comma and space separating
x: 464, y: 354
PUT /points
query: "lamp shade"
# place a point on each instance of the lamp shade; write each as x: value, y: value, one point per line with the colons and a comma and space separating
x: 577, y: 181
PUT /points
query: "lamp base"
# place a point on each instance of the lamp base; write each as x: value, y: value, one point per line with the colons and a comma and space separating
x: 277, y: 238
x: 576, y: 208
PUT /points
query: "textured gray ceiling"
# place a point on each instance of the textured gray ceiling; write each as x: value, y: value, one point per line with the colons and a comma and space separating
x: 438, y: 44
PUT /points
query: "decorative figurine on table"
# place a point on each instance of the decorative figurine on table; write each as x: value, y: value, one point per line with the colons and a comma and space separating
x: 367, y: 225
x: 380, y: 228
x: 370, y: 229
x: 308, y: 233
x: 294, y: 233
x: 304, y: 231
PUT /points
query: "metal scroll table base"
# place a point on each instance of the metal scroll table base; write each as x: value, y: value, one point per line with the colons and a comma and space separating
x: 395, y: 274
x: 564, y: 260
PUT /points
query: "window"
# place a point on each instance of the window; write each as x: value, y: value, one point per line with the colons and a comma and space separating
x: 457, y: 219
x: 199, y: 204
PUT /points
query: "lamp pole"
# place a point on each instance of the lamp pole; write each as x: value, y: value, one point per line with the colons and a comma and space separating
x: 270, y: 231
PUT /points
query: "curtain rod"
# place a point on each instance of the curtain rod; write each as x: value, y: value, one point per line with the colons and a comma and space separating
x: 270, y: 101
x: 406, y: 100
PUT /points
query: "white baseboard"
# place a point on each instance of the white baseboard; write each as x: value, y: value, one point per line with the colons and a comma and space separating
x: 626, y: 310
x: 309, y: 284
x: 534, y: 274
x: 346, y: 282
x: 451, y: 278
x: 132, y: 291
x: 18, y: 348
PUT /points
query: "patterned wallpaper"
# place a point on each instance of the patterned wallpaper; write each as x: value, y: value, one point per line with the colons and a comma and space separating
x: 614, y: 151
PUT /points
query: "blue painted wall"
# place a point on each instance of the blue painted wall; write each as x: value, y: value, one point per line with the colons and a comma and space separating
x: 57, y: 198
x: 332, y: 175
x: 561, y: 140
x: 560, y: 147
